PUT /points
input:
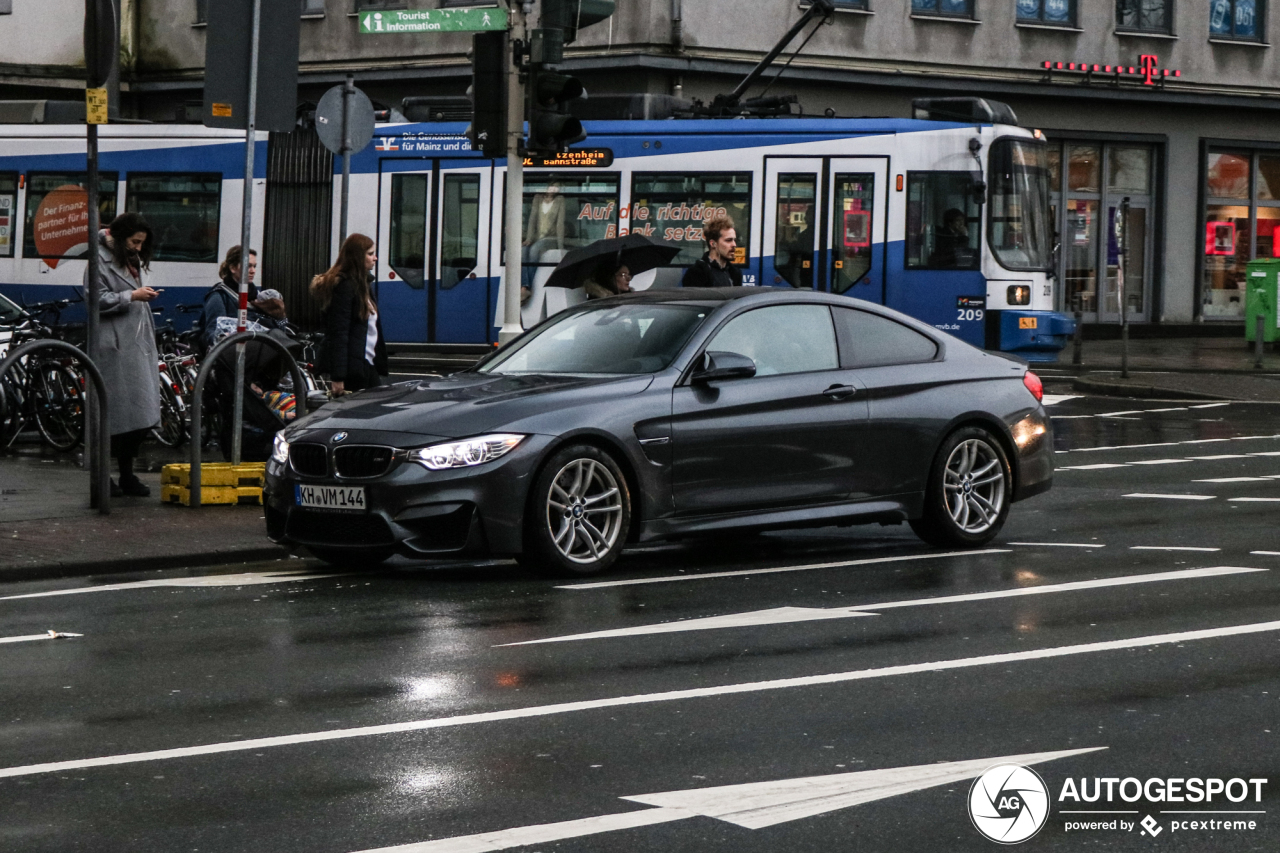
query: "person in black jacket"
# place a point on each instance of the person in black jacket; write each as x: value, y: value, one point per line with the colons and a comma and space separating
x: 355, y: 355
x: 716, y: 267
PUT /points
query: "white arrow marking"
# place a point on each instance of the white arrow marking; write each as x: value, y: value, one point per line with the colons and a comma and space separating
x: 242, y: 579
x: 754, y: 805
x: 48, y: 635
x: 783, y: 615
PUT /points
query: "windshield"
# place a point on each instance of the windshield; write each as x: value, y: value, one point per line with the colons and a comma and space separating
x: 10, y: 313
x: 1018, y: 222
x: 639, y: 338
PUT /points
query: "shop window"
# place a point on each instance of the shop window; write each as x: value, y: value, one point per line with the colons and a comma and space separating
x: 460, y: 226
x: 1228, y: 174
x: 57, y: 214
x: 944, y: 221
x: 869, y: 340
x: 564, y: 211
x: 782, y: 339
x: 8, y: 212
x: 1241, y: 216
x: 1129, y: 170
x: 1269, y: 177
x: 408, y: 258
x: 1084, y: 168
x: 1236, y: 19
x: 1150, y: 16
x: 182, y: 210
x: 1060, y: 13
x: 672, y: 207
x: 794, y: 232
x: 950, y: 8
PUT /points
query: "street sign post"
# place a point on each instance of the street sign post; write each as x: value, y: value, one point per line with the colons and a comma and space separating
x: 344, y: 123
x: 397, y: 21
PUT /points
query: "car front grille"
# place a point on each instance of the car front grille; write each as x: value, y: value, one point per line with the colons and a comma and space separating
x: 338, y: 528
x: 309, y: 459
x: 362, y: 460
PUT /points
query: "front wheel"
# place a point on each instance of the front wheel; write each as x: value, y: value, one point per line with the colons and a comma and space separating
x: 967, y: 497
x: 59, y: 406
x: 578, y: 515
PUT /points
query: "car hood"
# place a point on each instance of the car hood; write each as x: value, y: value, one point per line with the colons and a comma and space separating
x: 467, y: 404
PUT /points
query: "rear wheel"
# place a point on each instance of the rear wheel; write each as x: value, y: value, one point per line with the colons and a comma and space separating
x: 59, y: 406
x: 352, y: 558
x: 579, y: 514
x: 967, y: 498
x: 172, y: 428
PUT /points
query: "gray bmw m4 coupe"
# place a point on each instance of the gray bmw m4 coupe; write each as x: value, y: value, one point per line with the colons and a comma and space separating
x: 668, y: 414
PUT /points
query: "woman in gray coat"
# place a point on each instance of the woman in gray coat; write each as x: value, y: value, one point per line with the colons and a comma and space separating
x: 125, y: 350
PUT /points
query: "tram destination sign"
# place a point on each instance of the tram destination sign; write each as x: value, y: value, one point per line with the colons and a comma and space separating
x: 582, y: 157
x: 395, y: 21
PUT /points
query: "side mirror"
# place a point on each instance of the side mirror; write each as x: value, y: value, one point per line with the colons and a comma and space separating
x: 723, y: 365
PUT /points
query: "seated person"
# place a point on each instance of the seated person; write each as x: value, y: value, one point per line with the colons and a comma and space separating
x: 951, y: 248
x: 608, y: 280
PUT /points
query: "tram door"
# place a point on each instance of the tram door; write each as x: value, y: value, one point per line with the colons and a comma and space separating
x: 825, y: 224
x: 433, y: 266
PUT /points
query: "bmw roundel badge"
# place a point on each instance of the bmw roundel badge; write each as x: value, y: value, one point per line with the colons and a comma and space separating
x: 338, y: 436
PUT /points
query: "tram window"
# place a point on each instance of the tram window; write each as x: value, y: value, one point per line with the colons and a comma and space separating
x: 869, y: 340
x: 671, y: 207
x: 943, y: 221
x: 409, y: 228
x: 851, y: 235
x: 182, y: 210
x: 57, y: 219
x: 8, y: 212
x: 460, y: 222
x: 564, y: 211
x: 793, y: 230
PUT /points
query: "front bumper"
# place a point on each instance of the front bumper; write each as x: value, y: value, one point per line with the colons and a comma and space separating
x: 414, y: 510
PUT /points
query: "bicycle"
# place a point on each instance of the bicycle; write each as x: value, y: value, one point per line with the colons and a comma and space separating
x: 44, y: 390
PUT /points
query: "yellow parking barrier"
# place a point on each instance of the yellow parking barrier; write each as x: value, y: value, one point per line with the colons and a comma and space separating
x: 222, y: 483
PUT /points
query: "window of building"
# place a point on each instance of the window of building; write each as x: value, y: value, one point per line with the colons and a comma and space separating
x: 310, y: 9
x: 952, y: 8
x: 1153, y: 16
x: 1060, y: 13
x: 944, y: 221
x: 564, y: 211
x: 1236, y: 19
x: 57, y: 214
x: 1241, y: 223
x: 861, y: 5
x: 672, y: 207
x: 362, y: 5
x: 868, y: 340
x: 6, y: 7
x: 8, y: 212
x: 460, y: 226
x: 182, y: 210
x: 781, y: 339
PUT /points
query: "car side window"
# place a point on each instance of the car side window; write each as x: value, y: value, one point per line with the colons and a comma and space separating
x: 782, y: 339
x: 869, y: 340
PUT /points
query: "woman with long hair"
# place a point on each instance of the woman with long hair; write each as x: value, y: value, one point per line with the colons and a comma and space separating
x: 125, y: 349
x: 355, y: 356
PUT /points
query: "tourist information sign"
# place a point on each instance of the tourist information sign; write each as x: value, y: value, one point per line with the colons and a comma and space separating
x: 432, y: 21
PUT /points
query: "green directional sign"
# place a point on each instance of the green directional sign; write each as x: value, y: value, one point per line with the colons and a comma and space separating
x: 432, y: 21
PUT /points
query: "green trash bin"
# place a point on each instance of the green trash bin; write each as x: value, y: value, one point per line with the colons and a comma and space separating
x: 1260, y: 298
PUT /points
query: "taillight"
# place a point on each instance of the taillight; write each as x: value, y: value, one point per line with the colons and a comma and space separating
x: 1034, y: 385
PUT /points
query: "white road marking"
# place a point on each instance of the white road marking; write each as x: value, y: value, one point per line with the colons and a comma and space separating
x: 1255, y: 500
x: 1055, y: 399
x: 241, y: 579
x: 1267, y: 453
x: 788, y: 615
x: 1118, y: 414
x: 1173, y: 497
x: 1098, y: 467
x: 753, y: 805
x: 1209, y: 406
x: 1221, y: 456
x: 1169, y: 548
x: 1267, y: 553
x: 1158, y: 461
x: 810, y: 567
x: 1170, y: 409
x: 1060, y: 544
x: 1204, y: 441
x: 645, y: 699
x: 1233, y: 480
x: 47, y: 635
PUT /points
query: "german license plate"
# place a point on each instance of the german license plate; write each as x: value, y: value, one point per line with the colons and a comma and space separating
x: 331, y: 497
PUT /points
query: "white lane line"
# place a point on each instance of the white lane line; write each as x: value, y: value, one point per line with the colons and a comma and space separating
x: 1267, y: 553
x: 1055, y: 399
x: 47, y: 635
x: 240, y: 579
x: 1121, y: 447
x: 1221, y: 456
x: 1170, y: 409
x: 1172, y: 497
x: 1169, y: 548
x: 1098, y: 467
x: 1255, y: 500
x: 1118, y: 414
x: 788, y: 615
x: 808, y: 568
x: 1267, y: 453
x: 1158, y: 461
x: 1175, y: 443
x: 644, y: 699
x: 1209, y: 406
x: 1204, y: 441
x: 1060, y: 544
x: 1234, y: 480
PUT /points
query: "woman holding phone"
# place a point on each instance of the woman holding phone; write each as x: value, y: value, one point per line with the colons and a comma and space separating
x: 125, y: 349
x: 355, y: 355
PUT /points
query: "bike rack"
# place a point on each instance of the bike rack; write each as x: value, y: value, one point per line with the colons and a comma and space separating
x: 99, y: 485
x: 197, y: 395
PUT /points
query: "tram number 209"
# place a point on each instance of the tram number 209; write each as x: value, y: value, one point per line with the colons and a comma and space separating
x: 968, y: 314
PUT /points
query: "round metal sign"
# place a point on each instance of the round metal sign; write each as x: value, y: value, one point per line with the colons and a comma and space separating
x: 329, y: 120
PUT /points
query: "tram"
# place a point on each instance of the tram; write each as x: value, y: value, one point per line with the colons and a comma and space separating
x: 945, y: 220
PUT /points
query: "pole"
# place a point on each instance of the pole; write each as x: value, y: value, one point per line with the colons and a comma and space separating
x: 1122, y: 232
x: 348, y: 89
x: 1077, y: 337
x: 511, y: 327
x: 250, y: 143
x: 96, y: 448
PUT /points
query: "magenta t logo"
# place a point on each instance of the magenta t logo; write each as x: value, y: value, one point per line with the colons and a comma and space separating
x: 1147, y: 62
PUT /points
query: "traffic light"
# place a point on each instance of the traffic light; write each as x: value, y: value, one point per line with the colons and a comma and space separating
x: 488, y: 93
x: 569, y: 16
x: 550, y: 129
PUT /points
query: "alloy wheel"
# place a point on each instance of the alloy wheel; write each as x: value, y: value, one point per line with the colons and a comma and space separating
x: 975, y: 485
x: 584, y: 511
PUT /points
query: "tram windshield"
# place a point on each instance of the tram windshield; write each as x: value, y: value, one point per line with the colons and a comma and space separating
x: 1018, y: 217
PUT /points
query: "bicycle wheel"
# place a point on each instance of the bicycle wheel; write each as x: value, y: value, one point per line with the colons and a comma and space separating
x: 58, y: 402
x: 172, y: 429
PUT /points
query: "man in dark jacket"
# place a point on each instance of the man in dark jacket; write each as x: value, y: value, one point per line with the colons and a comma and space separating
x: 716, y: 267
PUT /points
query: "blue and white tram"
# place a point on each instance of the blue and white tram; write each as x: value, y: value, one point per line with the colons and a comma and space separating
x: 945, y: 221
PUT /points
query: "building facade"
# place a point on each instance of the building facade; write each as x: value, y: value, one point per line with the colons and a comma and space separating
x: 1172, y: 106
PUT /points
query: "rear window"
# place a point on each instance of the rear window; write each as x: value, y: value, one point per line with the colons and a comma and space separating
x: 869, y: 340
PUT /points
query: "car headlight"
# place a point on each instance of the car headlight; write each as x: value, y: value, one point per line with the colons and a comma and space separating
x: 464, y: 454
x: 280, y: 450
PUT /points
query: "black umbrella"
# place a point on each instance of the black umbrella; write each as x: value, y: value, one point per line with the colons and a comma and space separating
x: 638, y: 253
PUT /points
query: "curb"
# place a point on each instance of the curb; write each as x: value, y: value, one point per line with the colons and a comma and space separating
x: 1116, y: 389
x: 42, y: 571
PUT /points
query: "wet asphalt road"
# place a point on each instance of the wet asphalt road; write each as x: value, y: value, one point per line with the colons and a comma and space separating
x: 357, y: 712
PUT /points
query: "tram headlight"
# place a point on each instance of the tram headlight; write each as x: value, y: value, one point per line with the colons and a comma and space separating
x: 1018, y: 294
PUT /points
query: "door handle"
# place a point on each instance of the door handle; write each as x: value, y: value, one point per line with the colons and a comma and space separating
x: 840, y: 392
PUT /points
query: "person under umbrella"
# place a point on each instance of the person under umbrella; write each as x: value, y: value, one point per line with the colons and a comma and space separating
x: 609, y: 279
